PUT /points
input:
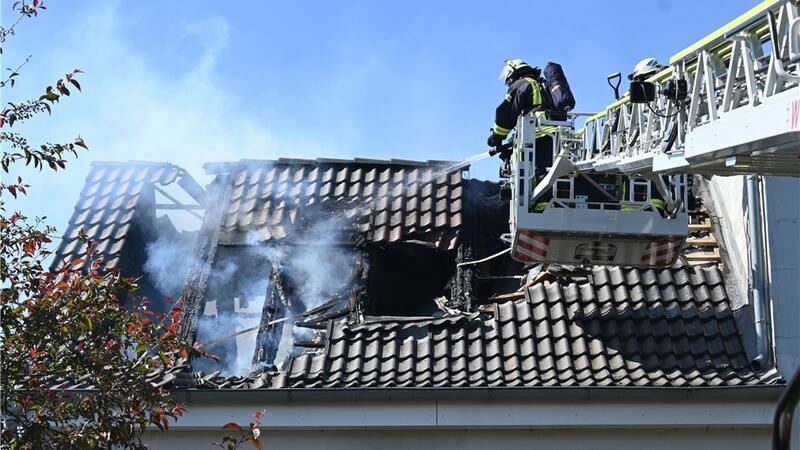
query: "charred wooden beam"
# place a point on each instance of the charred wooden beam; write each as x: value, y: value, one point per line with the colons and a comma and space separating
x: 180, y: 207
x: 192, y: 188
x: 204, y: 253
x: 309, y: 344
x: 276, y: 305
x: 319, y: 323
x: 463, y: 286
x: 176, y: 203
x: 323, y: 307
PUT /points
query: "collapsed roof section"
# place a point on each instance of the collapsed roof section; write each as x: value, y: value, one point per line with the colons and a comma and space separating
x: 302, y: 236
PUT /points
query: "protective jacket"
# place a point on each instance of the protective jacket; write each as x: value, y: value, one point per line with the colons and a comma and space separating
x: 523, y: 95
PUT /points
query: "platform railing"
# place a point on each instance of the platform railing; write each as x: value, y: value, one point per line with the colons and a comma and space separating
x: 737, y: 66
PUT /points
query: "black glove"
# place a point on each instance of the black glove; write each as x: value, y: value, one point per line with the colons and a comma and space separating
x: 495, y: 140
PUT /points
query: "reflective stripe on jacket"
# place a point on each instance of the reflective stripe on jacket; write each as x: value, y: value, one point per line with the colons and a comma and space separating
x: 523, y: 95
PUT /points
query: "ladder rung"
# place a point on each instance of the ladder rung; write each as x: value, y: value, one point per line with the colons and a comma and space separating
x: 703, y: 226
x: 702, y: 242
x: 704, y: 256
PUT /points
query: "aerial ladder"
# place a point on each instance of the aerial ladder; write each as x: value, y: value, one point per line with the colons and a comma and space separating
x: 615, y: 190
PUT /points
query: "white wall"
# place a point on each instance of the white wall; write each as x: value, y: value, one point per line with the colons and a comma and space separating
x: 479, y: 439
x: 726, y: 201
x: 729, y: 419
x: 783, y: 230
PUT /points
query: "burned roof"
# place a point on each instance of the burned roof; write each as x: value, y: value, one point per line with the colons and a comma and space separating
x: 388, y: 200
x: 623, y: 327
x: 609, y: 327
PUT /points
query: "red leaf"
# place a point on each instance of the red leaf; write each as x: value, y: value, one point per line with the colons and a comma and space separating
x: 61, y: 88
x: 13, y: 190
x: 35, y: 3
x: 29, y: 248
x: 79, y: 142
x: 260, y: 415
x: 232, y: 426
x: 75, y: 83
x: 77, y: 262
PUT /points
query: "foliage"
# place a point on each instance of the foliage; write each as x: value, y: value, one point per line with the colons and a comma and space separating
x: 249, y: 434
x: 79, y: 370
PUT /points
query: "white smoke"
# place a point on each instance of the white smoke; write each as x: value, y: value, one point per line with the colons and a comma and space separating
x: 167, y: 263
x: 319, y: 267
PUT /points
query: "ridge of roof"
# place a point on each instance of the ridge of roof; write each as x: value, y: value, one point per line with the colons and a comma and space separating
x: 132, y: 162
x: 214, y: 168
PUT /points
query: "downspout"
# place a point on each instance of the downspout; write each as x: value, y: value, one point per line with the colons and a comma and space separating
x: 758, y: 285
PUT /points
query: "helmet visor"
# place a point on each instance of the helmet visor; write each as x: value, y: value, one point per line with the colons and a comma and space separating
x: 505, y: 74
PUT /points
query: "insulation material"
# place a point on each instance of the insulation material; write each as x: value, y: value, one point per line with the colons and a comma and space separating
x: 726, y: 200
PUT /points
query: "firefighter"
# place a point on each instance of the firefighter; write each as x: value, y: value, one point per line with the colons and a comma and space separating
x: 524, y: 94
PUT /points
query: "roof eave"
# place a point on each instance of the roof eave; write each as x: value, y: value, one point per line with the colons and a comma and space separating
x: 743, y: 393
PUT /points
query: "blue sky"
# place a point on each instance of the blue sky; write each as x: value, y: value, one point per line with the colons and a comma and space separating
x: 195, y: 81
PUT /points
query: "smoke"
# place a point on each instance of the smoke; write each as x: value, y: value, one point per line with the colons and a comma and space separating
x: 168, y: 260
x: 312, y: 260
x: 234, y: 302
x: 236, y: 353
x: 318, y: 266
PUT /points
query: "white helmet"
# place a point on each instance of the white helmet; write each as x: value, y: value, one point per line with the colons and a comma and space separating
x: 515, y: 67
x: 645, y: 68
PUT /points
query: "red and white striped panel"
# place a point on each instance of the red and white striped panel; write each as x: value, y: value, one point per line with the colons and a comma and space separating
x: 661, y: 252
x: 530, y: 247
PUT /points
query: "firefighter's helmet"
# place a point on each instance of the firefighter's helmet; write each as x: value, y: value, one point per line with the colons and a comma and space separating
x: 515, y: 68
x: 644, y: 69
